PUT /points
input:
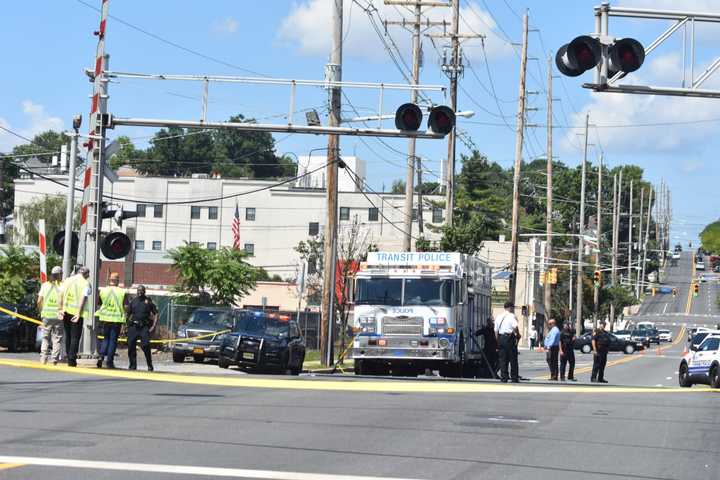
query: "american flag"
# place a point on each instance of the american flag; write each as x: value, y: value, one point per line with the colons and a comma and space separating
x: 236, y: 227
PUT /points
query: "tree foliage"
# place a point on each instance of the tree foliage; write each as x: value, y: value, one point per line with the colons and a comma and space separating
x: 710, y: 238
x: 212, y: 276
x: 16, y: 270
x: 50, y: 208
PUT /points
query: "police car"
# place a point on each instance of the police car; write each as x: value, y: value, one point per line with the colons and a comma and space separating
x: 702, y: 364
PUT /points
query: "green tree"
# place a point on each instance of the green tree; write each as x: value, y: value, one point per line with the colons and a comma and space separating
x: 710, y: 238
x: 311, y: 252
x: 128, y: 154
x: 229, y: 276
x: 52, y: 209
x: 212, y: 276
x: 16, y: 270
x: 397, y: 187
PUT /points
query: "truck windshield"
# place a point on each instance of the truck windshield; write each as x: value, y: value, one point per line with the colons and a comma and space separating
x: 428, y: 291
x: 379, y: 291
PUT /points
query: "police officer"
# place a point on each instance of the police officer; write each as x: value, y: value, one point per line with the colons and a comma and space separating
x: 601, y: 346
x: 567, y: 352
x: 552, y: 346
x: 75, y: 307
x: 508, y: 334
x: 52, y: 329
x: 142, y: 318
x: 113, y: 303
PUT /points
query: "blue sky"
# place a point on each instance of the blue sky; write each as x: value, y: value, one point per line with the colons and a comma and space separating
x: 48, y: 43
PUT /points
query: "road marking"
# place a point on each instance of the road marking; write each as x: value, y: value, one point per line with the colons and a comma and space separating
x: 665, y: 308
x: 345, y: 384
x: 668, y: 378
x: 8, y: 466
x: 185, y: 469
x: 659, y: 385
x: 513, y: 420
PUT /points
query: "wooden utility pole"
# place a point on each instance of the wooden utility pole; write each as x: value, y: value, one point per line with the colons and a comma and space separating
x: 598, y: 214
x: 581, y: 244
x: 547, y: 292
x: 639, y: 242
x: 647, y: 234
x: 413, y: 160
x: 520, y: 130
x: 330, y: 246
x: 630, y: 242
x: 617, y: 213
x: 453, y: 73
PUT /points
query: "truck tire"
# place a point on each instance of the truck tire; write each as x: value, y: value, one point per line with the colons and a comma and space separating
x: 715, y: 376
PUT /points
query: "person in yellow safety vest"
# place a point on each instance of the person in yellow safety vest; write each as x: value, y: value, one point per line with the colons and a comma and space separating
x: 113, y: 304
x: 52, y: 328
x: 75, y: 307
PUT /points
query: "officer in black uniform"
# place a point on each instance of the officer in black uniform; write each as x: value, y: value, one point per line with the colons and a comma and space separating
x: 142, y: 318
x: 601, y: 346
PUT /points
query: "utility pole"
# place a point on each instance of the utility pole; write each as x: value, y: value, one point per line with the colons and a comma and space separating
x: 547, y: 292
x: 596, y: 290
x: 647, y: 233
x: 639, y: 242
x: 453, y: 73
x: 2, y: 201
x: 617, y: 212
x: 334, y: 73
x: 413, y: 159
x: 520, y: 130
x: 70, y: 206
x: 630, y: 229
x: 578, y: 307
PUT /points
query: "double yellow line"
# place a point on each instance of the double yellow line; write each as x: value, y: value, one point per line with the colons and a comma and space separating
x: 688, y: 305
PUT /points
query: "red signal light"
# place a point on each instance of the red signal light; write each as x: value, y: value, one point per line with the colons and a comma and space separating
x: 441, y: 120
x: 578, y: 56
x: 115, y: 245
x: 626, y: 55
x: 408, y: 117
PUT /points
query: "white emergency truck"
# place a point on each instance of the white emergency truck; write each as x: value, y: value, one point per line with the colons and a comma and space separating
x: 420, y: 310
x: 702, y: 363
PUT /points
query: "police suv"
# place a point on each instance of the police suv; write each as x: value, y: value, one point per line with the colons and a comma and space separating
x: 702, y: 364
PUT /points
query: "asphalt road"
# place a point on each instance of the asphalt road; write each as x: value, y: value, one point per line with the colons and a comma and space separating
x: 61, y: 423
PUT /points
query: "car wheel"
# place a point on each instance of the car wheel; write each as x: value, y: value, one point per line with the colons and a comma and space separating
x: 586, y: 348
x: 178, y: 357
x: 198, y: 359
x: 715, y: 376
x: 629, y: 349
x: 222, y: 363
x: 12, y: 344
x: 683, y: 376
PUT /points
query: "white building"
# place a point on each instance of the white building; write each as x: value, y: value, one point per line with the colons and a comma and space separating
x: 316, y: 179
x: 273, y: 219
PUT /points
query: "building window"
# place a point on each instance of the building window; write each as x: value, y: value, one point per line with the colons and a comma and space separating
x: 373, y: 214
x: 414, y: 214
x: 250, y: 249
x: 139, y: 244
x: 195, y: 212
x: 344, y: 213
x: 437, y: 215
x: 212, y: 246
x: 250, y: 214
x: 314, y: 229
x: 157, y: 211
x: 212, y: 213
x: 141, y: 210
x: 157, y: 245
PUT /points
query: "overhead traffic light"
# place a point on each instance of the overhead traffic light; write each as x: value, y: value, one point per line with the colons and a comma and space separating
x: 674, y: 292
x: 584, y: 53
x: 597, y: 277
x: 696, y: 289
x: 115, y: 245
x: 58, y: 243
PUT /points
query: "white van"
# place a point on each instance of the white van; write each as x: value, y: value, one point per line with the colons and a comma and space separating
x: 645, y: 326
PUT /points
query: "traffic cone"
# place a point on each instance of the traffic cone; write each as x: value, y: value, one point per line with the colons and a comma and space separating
x: 658, y: 351
x: 685, y: 351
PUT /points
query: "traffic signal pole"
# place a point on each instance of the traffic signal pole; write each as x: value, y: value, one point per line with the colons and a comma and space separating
x: 519, y: 133
x: 330, y: 245
x: 70, y: 206
x: 596, y: 290
x: 639, y: 242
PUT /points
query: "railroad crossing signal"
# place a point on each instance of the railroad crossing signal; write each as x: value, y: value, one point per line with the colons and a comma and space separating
x: 584, y: 53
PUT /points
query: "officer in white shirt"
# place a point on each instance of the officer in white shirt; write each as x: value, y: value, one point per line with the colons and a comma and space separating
x: 508, y: 334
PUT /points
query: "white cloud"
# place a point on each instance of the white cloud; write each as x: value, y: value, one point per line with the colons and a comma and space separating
x: 687, y: 127
x: 706, y: 6
x: 36, y: 120
x: 225, y: 26
x: 308, y: 26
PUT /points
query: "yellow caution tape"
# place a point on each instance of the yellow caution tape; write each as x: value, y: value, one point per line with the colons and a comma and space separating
x: 121, y: 339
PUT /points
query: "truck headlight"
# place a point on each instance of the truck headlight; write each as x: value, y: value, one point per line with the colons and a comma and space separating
x: 367, y: 324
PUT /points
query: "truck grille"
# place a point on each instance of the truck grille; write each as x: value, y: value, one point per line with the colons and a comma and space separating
x: 402, y: 326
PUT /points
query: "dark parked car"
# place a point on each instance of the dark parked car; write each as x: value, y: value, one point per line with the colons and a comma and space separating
x: 584, y: 344
x: 263, y: 341
x: 205, y: 323
x: 641, y: 336
x: 16, y: 334
x: 653, y: 335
